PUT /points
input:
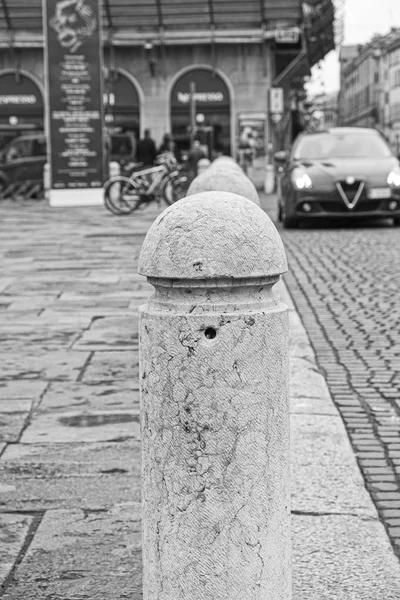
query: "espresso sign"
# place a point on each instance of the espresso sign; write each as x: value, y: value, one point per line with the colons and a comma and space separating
x: 74, y: 89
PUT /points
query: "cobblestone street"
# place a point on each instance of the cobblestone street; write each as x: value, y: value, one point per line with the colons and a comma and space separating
x: 345, y: 283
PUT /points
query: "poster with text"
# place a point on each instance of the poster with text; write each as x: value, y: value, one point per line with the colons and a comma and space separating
x: 74, y: 93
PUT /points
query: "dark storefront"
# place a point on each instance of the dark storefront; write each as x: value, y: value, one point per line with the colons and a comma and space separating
x: 21, y: 106
x: 212, y: 109
x: 122, y: 116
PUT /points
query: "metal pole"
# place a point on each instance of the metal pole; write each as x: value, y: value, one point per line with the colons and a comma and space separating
x: 192, y: 111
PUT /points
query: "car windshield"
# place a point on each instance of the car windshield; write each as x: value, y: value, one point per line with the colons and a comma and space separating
x: 344, y: 145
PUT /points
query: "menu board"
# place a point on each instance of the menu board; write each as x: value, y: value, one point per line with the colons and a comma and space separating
x: 74, y: 93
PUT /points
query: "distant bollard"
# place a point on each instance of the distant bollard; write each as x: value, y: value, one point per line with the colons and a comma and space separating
x: 202, y: 165
x: 226, y: 160
x: 269, y: 182
x: 225, y: 177
x: 214, y: 405
x: 46, y: 181
x: 114, y: 169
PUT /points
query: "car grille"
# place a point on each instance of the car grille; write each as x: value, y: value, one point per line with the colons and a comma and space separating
x: 351, y: 193
x: 361, y: 206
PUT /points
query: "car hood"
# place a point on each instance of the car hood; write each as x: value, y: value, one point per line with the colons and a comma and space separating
x: 359, y: 168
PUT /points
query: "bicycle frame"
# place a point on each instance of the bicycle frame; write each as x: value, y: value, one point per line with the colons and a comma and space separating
x: 159, y: 171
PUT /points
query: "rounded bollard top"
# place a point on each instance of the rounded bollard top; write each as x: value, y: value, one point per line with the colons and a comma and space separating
x: 212, y: 235
x: 225, y: 159
x: 223, y: 177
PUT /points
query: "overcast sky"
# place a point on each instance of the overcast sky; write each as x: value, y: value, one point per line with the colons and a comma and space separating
x: 363, y: 18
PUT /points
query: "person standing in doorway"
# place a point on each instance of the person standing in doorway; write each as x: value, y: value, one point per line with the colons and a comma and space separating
x: 146, y: 151
x: 196, y: 153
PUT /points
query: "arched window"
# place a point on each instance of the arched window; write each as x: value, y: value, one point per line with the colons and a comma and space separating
x: 212, y: 105
x: 122, y: 104
x: 21, y: 106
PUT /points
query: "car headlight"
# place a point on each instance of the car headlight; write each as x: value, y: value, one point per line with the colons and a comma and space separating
x: 301, y: 180
x: 394, y: 177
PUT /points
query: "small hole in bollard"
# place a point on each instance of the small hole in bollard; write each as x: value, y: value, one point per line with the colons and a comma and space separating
x: 210, y: 333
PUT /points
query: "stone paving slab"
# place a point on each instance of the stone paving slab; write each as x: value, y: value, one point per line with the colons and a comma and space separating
x: 91, y: 398
x: 107, y: 367
x: 12, y: 425
x: 342, y: 557
x: 81, y: 475
x: 72, y: 427
x: 79, y: 554
x: 110, y: 333
x: 29, y: 389
x: 63, y: 366
x: 14, y: 530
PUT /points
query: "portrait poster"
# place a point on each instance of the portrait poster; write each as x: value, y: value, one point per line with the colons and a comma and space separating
x: 74, y: 100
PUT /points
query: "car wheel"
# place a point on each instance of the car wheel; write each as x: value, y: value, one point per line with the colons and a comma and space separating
x: 396, y: 221
x: 3, y: 185
x: 279, y: 213
x: 289, y: 221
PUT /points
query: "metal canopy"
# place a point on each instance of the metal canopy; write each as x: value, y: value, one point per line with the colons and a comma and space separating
x: 150, y: 17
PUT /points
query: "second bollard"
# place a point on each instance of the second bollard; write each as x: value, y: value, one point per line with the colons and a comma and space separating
x: 214, y: 405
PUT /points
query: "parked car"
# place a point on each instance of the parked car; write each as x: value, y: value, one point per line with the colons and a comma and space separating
x: 23, y: 159
x: 340, y: 172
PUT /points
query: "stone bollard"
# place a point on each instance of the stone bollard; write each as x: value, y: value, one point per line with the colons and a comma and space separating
x: 202, y: 165
x: 227, y: 177
x: 226, y: 160
x: 214, y: 405
x: 114, y: 169
x: 46, y: 181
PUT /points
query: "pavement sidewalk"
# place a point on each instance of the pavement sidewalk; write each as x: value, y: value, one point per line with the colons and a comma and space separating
x: 69, y: 412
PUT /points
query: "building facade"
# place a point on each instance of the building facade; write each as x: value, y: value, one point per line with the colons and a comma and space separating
x: 370, y: 86
x: 392, y: 95
x: 159, y: 56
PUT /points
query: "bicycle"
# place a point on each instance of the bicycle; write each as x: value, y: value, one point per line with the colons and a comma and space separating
x: 124, y: 194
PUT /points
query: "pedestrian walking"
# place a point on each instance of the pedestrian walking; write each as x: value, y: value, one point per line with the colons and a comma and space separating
x: 146, y: 149
x: 195, y: 154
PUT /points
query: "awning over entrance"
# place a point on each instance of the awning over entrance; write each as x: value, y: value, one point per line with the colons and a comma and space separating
x: 166, y: 19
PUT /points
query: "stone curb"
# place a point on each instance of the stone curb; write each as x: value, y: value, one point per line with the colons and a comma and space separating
x: 340, y: 548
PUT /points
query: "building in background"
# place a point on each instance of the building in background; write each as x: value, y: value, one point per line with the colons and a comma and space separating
x: 172, y: 66
x: 370, y: 86
x: 391, y: 93
x: 321, y: 112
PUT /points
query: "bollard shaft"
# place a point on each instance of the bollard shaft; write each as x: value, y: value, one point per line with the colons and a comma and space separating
x: 214, y: 407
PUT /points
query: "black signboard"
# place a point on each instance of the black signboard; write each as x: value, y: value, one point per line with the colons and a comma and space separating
x: 74, y: 91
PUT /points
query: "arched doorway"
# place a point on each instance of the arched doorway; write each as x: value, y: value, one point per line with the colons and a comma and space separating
x: 122, y: 115
x: 21, y: 106
x: 212, y: 109
x: 122, y: 103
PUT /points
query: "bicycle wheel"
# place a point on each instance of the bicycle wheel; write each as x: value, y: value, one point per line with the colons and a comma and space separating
x: 174, y: 188
x: 121, y: 195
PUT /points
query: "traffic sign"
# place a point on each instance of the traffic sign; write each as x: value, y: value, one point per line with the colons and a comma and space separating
x: 287, y: 36
x: 276, y: 100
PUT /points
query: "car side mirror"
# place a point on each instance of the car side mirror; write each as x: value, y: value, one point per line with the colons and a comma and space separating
x: 281, y: 156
